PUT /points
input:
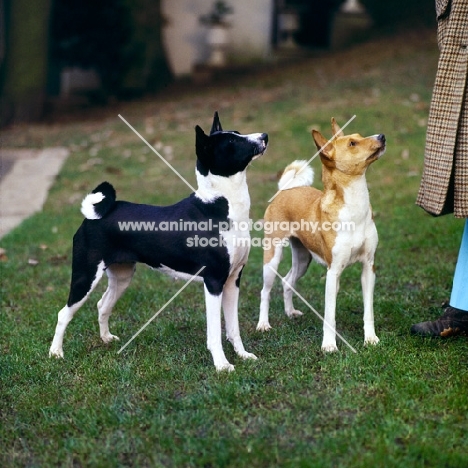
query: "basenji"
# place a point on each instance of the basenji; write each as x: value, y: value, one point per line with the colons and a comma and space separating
x: 204, y: 233
x: 335, y: 226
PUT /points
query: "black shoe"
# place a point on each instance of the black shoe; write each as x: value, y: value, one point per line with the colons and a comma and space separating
x: 451, y: 323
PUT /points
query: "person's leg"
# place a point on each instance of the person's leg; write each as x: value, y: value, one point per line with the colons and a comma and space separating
x: 459, y: 297
x: 454, y: 320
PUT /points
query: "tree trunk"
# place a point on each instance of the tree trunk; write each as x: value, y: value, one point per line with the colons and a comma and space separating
x: 23, y: 87
x: 149, y: 70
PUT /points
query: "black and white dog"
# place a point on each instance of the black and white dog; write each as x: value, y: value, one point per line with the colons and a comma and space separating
x: 215, y: 237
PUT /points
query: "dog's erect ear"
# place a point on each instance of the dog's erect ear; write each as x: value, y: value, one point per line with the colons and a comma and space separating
x: 200, y: 134
x: 322, y: 144
x: 337, y: 132
x: 202, y: 143
x: 201, y: 140
x: 216, y: 127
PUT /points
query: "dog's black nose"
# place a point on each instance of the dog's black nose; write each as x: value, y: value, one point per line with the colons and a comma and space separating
x: 381, y: 137
x: 264, y: 137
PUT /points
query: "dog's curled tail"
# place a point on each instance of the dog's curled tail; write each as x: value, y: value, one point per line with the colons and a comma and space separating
x: 99, y: 202
x: 297, y: 174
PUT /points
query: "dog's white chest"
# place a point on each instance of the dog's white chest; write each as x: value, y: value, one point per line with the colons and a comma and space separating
x: 237, y: 238
x: 354, y: 243
x: 357, y: 236
x: 235, y: 190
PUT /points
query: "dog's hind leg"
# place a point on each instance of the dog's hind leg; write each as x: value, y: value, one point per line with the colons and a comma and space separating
x: 84, y: 279
x: 368, y: 282
x: 301, y: 258
x: 120, y: 276
x: 230, y: 307
x: 271, y: 262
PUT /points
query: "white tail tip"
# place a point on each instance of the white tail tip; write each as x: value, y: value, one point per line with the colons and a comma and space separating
x: 87, y: 205
x: 297, y: 174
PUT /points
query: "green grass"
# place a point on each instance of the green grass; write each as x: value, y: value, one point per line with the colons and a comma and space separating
x: 160, y: 402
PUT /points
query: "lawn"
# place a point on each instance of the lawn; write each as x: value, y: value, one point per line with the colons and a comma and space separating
x: 160, y: 402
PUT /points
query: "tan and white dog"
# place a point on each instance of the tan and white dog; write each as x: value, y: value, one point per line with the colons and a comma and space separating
x: 334, y: 227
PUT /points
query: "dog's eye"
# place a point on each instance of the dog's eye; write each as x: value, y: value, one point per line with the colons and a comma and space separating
x: 352, y: 143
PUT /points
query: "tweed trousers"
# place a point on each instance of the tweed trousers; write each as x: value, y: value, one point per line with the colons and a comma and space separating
x: 444, y: 183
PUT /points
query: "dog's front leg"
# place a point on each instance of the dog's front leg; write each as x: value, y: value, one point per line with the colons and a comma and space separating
x: 329, y: 326
x: 230, y: 308
x: 213, y: 330
x: 368, y: 282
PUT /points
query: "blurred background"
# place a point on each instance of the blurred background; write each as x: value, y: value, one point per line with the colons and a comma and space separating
x: 64, y: 54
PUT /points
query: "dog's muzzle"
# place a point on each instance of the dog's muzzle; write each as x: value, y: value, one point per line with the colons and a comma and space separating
x: 381, y: 149
x: 263, y: 144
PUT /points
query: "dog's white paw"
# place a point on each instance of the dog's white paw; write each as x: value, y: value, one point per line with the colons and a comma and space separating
x: 56, y: 353
x: 263, y: 326
x: 372, y: 340
x: 109, y: 337
x: 246, y: 355
x: 226, y: 367
x: 294, y: 313
x: 331, y: 348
